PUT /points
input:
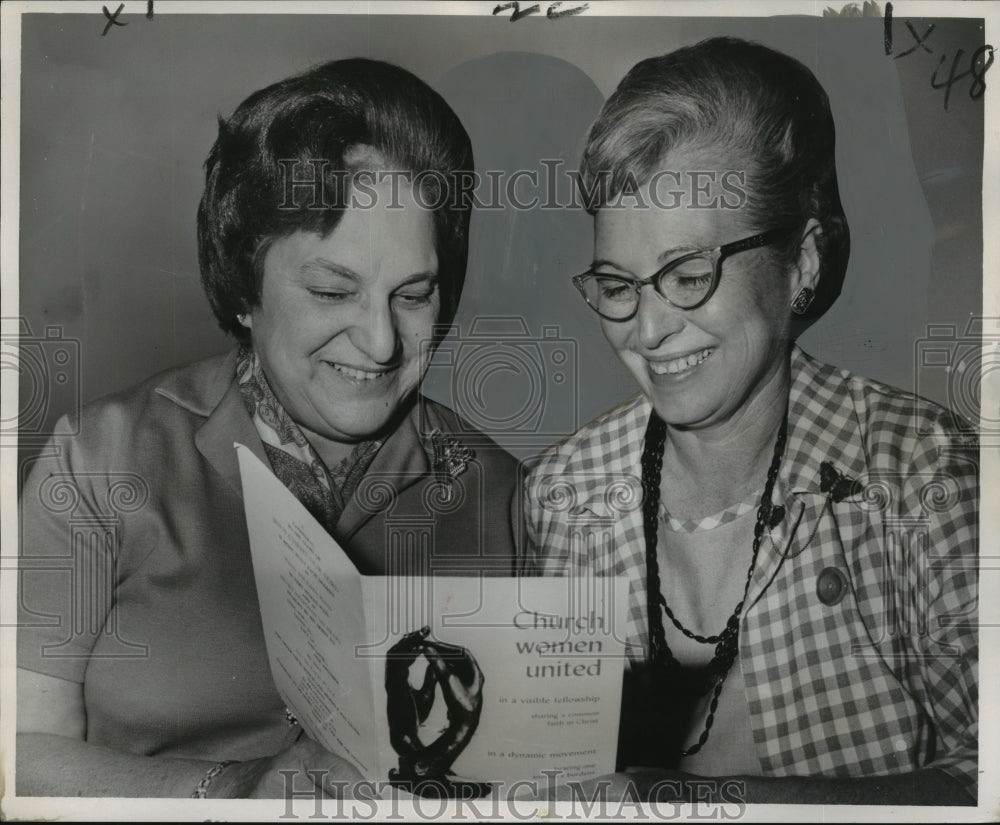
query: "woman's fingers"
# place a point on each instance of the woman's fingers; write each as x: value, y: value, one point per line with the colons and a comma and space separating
x: 340, y: 778
x: 305, y: 765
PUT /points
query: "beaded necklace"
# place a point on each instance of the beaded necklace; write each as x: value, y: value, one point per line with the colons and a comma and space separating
x: 667, y: 671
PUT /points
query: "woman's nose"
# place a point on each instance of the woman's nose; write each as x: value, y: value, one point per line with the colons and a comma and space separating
x: 376, y: 333
x: 656, y: 320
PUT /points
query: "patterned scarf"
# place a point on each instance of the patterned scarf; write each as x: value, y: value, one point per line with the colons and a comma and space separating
x: 324, y: 491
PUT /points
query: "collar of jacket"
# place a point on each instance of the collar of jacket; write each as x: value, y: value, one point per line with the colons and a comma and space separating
x: 209, y: 389
x: 824, y: 425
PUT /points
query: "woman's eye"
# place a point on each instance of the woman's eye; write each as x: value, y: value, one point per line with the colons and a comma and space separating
x: 416, y: 299
x: 330, y: 294
x: 693, y: 281
x: 613, y: 289
x: 692, y: 274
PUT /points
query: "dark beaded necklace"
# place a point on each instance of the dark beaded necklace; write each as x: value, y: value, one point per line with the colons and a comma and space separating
x: 668, y: 673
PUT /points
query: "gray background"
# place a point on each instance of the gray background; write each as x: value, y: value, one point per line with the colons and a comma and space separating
x: 114, y: 131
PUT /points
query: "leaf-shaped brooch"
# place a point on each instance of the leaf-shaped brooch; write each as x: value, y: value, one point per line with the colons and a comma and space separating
x: 839, y: 486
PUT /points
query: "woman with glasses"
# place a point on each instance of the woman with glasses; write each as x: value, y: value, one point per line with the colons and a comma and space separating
x: 801, y: 542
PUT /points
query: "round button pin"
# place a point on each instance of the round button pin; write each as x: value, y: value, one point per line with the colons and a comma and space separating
x: 831, y: 586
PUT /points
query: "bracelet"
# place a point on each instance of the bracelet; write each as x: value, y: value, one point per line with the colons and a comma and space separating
x: 202, y: 790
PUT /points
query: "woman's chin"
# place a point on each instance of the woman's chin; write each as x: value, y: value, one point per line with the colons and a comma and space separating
x: 681, y: 410
x: 681, y: 400
x: 358, y: 409
x: 681, y: 418
x: 357, y: 428
x: 362, y: 419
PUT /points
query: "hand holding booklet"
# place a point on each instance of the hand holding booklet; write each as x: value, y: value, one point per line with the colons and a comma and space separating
x: 462, y: 682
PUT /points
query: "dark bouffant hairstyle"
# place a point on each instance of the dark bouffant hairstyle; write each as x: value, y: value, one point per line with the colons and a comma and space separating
x: 316, y: 123
x: 758, y: 107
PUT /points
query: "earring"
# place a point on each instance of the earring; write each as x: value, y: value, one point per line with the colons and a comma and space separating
x: 242, y: 317
x: 803, y: 298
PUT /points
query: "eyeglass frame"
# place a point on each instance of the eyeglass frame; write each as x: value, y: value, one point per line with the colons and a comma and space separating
x: 715, y: 254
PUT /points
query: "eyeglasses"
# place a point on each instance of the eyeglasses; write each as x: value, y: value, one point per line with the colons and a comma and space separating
x: 687, y: 282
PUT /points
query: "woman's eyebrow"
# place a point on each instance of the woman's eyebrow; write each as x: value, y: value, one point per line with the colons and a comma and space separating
x: 420, y: 277
x: 599, y: 262
x: 663, y: 258
x: 329, y: 266
x: 668, y: 255
x: 325, y: 265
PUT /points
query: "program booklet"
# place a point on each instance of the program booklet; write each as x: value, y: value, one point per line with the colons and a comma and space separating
x: 473, y: 680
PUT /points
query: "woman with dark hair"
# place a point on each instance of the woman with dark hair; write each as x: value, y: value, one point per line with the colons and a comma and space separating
x: 333, y: 247
x: 801, y: 550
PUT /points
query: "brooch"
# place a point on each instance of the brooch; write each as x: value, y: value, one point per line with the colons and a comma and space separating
x: 450, y: 457
x: 837, y: 485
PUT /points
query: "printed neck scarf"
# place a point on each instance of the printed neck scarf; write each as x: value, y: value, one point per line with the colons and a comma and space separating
x: 324, y: 491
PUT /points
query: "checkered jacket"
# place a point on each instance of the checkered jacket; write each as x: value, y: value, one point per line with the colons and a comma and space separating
x: 881, y: 681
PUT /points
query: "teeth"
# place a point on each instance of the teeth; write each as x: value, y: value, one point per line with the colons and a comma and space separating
x: 679, y: 364
x: 359, y: 375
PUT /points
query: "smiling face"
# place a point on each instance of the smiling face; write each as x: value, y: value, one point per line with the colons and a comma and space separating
x: 341, y: 318
x: 713, y: 364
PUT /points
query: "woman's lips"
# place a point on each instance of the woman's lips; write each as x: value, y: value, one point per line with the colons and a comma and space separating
x: 685, y: 363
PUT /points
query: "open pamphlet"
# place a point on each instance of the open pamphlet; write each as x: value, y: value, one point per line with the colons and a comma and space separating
x: 468, y: 680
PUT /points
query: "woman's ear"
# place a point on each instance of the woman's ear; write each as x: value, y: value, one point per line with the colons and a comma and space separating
x: 805, y: 272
